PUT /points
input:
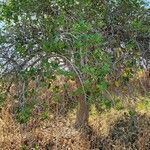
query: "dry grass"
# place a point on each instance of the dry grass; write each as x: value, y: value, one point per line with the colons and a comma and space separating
x: 126, y: 126
x: 53, y: 133
x: 111, y: 130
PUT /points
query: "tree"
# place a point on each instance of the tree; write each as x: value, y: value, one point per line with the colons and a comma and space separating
x: 77, y: 32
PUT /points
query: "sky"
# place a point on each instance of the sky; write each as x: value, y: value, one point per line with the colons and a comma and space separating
x: 148, y: 1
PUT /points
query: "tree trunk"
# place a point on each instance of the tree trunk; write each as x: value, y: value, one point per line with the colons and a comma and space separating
x: 82, y: 114
x: 83, y: 110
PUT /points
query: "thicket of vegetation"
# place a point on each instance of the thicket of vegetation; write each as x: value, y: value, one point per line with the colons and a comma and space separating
x: 81, y: 68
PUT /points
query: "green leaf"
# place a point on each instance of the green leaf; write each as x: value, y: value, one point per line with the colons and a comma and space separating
x: 103, y: 85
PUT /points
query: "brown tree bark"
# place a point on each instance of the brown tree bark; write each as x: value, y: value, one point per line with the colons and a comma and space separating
x: 82, y: 115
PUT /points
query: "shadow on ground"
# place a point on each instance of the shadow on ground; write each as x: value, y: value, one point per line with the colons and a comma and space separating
x: 131, y: 132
